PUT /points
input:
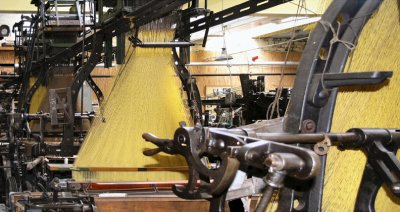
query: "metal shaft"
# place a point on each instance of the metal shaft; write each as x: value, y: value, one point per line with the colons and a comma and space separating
x: 308, y: 138
x: 266, y: 198
x: 164, y: 44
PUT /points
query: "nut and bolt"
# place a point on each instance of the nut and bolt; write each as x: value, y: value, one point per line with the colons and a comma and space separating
x: 308, y: 126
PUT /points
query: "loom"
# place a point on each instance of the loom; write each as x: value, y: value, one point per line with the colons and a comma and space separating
x: 306, y: 155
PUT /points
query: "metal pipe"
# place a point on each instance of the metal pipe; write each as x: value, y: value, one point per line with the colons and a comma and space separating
x: 269, y: 63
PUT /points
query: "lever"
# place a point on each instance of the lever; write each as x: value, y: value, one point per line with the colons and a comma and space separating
x: 320, y: 91
x: 154, y: 139
x: 151, y: 152
x: 164, y: 145
x: 357, y: 78
x: 382, y: 166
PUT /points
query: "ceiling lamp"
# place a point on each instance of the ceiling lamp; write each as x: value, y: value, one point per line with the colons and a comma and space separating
x: 224, y: 55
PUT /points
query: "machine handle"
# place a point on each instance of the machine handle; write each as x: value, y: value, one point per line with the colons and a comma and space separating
x: 154, y: 139
x: 164, y: 145
x: 151, y: 152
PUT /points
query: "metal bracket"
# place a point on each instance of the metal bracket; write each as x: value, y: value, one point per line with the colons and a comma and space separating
x: 382, y: 166
x: 190, y: 86
x: 322, y: 84
x: 60, y: 102
x: 232, y: 13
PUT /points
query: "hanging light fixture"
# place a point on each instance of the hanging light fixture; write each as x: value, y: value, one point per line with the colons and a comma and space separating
x: 224, y: 53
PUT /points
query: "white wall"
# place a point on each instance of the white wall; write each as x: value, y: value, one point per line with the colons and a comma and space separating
x: 10, y: 19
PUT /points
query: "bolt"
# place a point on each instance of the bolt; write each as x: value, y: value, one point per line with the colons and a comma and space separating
x: 181, y: 139
x: 220, y: 144
x: 274, y: 161
x: 323, y: 94
x: 396, y: 188
x: 308, y: 126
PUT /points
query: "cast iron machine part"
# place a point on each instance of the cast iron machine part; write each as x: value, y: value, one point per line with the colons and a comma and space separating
x: 276, y: 156
x: 228, y: 151
x: 65, y: 195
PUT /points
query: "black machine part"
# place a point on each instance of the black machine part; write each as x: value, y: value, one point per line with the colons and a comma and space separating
x: 273, y: 154
x: 383, y: 167
x: 224, y: 152
x: 4, y: 31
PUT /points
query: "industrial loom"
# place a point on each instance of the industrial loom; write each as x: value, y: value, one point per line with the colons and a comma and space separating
x: 284, y: 159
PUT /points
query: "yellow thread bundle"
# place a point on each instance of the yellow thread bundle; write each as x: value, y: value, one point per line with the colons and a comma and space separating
x: 378, y: 49
x: 146, y: 98
x: 38, y: 97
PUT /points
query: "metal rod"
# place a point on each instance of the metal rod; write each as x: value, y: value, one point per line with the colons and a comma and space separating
x: 251, y: 74
x: 308, y: 138
x: 47, y: 115
x: 9, y: 76
x: 266, y: 198
x: 225, y: 63
x: 103, y: 76
x: 164, y: 44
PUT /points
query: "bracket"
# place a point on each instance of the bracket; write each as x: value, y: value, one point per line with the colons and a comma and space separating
x: 60, y: 102
x: 322, y: 84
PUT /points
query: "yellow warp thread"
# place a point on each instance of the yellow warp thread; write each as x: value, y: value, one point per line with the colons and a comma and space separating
x: 377, y: 49
x: 38, y: 97
x: 146, y: 98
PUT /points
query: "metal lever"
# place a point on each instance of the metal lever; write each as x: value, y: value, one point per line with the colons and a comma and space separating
x: 151, y: 152
x: 164, y: 145
x: 382, y: 166
x: 358, y: 78
x: 323, y: 83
